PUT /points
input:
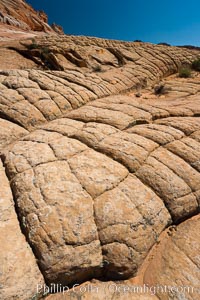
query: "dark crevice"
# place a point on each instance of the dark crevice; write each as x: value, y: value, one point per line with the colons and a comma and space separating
x: 28, y: 55
x: 189, y: 216
x: 136, y: 122
x: 74, y: 57
x: 155, y: 118
x: 119, y: 56
x: 108, y: 63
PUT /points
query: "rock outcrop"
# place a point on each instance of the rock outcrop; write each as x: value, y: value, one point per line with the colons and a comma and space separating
x: 19, y: 273
x: 100, y: 172
x: 172, y: 273
x: 177, y: 260
x: 19, y: 14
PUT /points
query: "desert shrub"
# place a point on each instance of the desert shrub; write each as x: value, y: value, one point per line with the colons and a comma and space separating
x: 159, y: 89
x: 97, y: 68
x: 45, y: 51
x: 196, y: 65
x: 184, y: 72
x: 34, y: 45
x: 45, y: 56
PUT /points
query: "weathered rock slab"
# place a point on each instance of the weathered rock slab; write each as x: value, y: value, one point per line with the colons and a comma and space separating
x: 19, y: 273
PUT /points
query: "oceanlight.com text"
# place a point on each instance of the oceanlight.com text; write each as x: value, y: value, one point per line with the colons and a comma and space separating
x: 118, y: 288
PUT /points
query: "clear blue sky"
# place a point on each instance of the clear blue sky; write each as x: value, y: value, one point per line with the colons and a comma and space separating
x: 173, y: 21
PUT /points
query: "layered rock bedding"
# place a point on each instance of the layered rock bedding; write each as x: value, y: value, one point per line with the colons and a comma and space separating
x: 100, y: 172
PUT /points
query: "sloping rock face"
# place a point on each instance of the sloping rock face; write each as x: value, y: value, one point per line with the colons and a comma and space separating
x: 173, y: 271
x: 100, y: 175
x: 19, y: 14
x: 19, y: 273
x: 177, y: 260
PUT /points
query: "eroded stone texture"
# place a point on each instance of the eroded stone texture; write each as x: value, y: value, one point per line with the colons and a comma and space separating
x: 161, y: 134
x: 19, y: 273
x: 187, y: 148
x: 95, y: 192
x: 176, y: 262
x: 129, y: 219
x: 10, y: 132
x: 83, y: 70
x: 171, y: 271
x: 173, y: 180
x: 124, y: 112
x: 187, y: 125
x: 100, y: 161
x: 21, y: 15
x: 75, y: 202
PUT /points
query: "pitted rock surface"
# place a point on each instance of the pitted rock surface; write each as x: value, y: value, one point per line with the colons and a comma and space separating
x: 100, y: 174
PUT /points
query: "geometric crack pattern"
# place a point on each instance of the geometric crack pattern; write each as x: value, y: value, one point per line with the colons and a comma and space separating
x: 98, y: 172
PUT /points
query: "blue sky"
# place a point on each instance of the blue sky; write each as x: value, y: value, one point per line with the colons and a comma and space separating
x: 172, y: 21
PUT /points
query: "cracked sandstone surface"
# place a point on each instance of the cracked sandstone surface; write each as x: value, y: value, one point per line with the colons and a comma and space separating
x: 100, y: 177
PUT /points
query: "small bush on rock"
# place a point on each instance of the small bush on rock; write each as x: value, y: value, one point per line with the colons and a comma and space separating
x: 196, y: 65
x: 34, y: 45
x: 97, y: 68
x: 185, y: 72
x: 160, y: 89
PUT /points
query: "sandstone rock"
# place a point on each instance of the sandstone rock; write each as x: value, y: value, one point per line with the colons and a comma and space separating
x: 161, y: 134
x: 19, y: 14
x: 13, y: 59
x: 166, y: 175
x: 129, y: 149
x: 47, y: 95
x: 172, y: 273
x: 123, y: 112
x: 47, y: 168
x: 176, y: 263
x: 105, y: 184
x: 10, y: 132
x: 19, y: 273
